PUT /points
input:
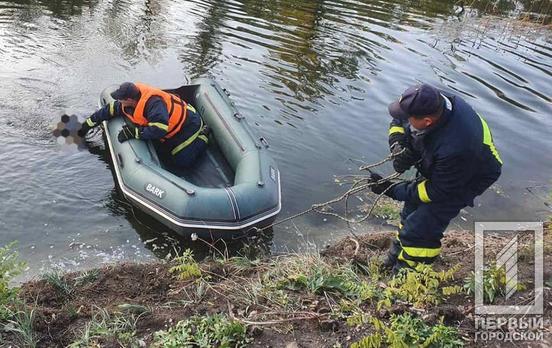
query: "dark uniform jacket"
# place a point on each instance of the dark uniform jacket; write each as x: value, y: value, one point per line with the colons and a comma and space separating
x: 157, y: 114
x: 458, y: 160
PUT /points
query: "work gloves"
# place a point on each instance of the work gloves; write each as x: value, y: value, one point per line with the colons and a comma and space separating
x: 381, y: 187
x: 128, y: 132
x: 86, y: 126
x: 404, y: 158
x: 397, y: 138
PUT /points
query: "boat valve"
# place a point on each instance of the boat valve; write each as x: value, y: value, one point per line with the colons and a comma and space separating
x: 264, y: 142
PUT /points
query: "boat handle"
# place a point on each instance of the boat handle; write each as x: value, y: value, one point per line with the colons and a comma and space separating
x: 224, y: 93
x: 239, y: 116
x: 120, y: 160
x: 264, y: 142
x: 260, y: 183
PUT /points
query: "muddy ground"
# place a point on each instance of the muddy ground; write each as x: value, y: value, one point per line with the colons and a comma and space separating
x: 60, y: 318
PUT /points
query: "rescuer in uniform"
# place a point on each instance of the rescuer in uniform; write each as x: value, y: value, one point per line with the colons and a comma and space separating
x: 177, y: 129
x: 452, y: 148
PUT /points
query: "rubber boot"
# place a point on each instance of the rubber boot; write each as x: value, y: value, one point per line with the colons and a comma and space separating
x: 400, y: 265
x: 392, y: 254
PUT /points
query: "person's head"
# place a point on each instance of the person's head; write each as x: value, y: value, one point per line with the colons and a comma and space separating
x: 422, y: 105
x: 127, y: 94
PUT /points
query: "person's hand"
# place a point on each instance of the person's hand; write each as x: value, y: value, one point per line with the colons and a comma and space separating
x: 127, y: 133
x: 382, y: 186
x: 85, y: 128
x: 404, y: 158
x: 395, y: 139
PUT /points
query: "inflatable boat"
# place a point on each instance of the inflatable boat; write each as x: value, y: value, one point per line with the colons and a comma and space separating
x: 233, y: 187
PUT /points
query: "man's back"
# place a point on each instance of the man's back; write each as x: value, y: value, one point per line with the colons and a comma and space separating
x: 460, y: 145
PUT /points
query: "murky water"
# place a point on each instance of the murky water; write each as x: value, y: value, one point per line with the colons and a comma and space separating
x: 313, y: 77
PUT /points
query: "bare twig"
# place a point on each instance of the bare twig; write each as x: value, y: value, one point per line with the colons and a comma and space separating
x: 461, y: 251
x: 357, y: 245
x: 284, y: 320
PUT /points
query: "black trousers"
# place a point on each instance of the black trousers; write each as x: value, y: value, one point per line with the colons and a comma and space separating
x: 422, y: 227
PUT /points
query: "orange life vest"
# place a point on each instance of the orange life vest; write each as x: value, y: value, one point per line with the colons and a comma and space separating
x: 175, y: 106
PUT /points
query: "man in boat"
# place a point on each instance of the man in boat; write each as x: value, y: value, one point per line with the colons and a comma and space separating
x: 452, y: 148
x: 154, y: 114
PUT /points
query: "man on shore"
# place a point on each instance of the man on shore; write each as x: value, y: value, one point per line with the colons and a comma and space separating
x: 176, y: 127
x: 452, y: 148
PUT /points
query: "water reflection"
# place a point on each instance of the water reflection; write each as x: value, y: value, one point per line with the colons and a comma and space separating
x: 138, y: 29
x: 204, y: 48
x: 62, y: 9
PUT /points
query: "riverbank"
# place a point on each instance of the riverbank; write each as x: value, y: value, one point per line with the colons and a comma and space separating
x: 339, y: 297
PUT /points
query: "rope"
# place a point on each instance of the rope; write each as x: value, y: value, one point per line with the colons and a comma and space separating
x: 362, y: 183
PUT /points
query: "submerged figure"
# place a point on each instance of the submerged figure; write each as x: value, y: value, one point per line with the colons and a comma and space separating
x: 177, y: 129
x: 452, y: 148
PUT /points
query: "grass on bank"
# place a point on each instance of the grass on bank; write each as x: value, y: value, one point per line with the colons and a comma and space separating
x: 21, y: 324
x: 59, y: 283
x: 276, y: 291
x: 216, y: 330
x: 15, y: 318
x: 105, y: 327
x: 10, y: 267
x: 281, y: 293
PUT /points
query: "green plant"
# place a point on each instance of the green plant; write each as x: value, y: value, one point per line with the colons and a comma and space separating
x: 10, y: 267
x: 104, y: 326
x: 22, y: 325
x: 215, y: 330
x: 420, y: 287
x: 358, y: 318
x: 87, y: 277
x: 443, y: 336
x: 549, y: 282
x: 388, y: 209
x: 406, y: 330
x: 373, y: 269
x: 186, y: 267
x: 72, y: 311
x: 313, y: 274
x: 494, y: 283
x: 242, y: 262
x: 57, y: 281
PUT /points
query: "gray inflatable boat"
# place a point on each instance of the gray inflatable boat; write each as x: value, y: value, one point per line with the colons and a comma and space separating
x: 233, y: 187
